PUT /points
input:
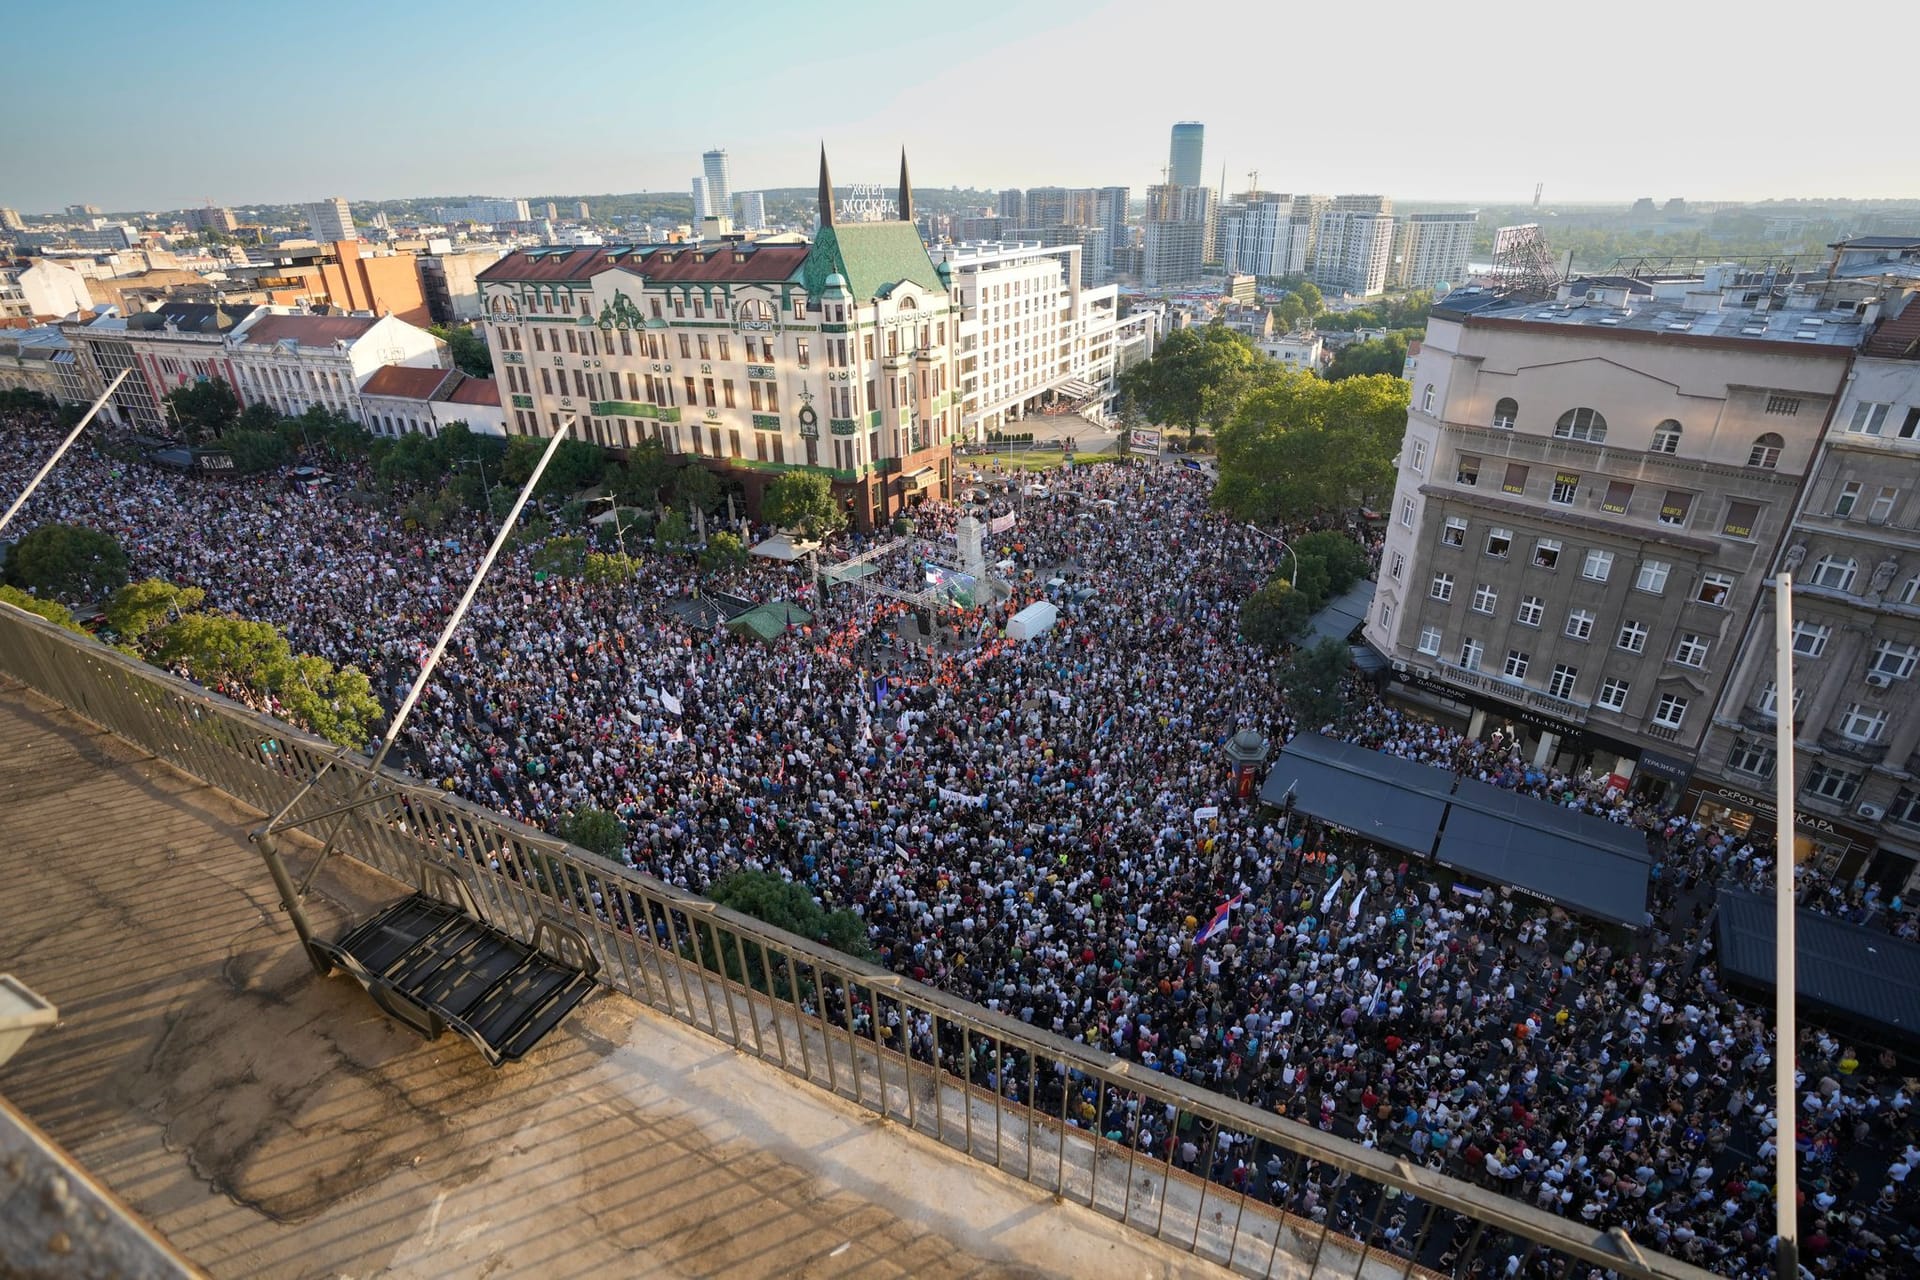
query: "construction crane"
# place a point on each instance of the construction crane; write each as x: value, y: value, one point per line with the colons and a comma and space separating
x: 1538, y: 187
x: 1253, y: 182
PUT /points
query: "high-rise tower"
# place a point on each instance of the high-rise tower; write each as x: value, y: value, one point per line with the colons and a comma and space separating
x: 719, y: 175
x: 1183, y: 157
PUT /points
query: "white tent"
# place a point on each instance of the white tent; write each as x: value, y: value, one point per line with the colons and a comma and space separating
x: 782, y: 547
x: 1036, y: 619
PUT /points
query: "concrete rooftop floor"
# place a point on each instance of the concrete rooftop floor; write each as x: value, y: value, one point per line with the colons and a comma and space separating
x: 269, y: 1123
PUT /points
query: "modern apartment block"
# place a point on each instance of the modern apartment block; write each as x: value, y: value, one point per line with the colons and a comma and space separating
x: 1590, y: 492
x: 1353, y: 245
x: 753, y: 357
x: 331, y: 221
x: 1267, y: 233
x: 1175, y: 235
x: 1029, y: 329
x: 1430, y: 250
x: 1854, y: 553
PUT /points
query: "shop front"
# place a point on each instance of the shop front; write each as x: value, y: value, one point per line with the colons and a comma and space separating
x: 1830, y: 848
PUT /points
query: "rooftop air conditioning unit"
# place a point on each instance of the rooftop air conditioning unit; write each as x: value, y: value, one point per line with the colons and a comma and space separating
x: 1871, y: 812
x: 1878, y: 680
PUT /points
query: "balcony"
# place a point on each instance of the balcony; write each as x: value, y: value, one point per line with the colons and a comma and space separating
x: 1852, y: 748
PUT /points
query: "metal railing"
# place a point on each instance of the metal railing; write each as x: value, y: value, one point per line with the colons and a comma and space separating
x: 1082, y: 1124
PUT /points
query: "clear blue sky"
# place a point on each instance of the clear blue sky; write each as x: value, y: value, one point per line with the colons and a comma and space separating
x: 138, y: 105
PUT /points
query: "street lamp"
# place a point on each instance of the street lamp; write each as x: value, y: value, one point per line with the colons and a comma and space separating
x: 485, y: 483
x: 1282, y: 542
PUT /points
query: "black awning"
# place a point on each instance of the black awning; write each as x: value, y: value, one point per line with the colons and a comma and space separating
x: 1857, y: 973
x: 1390, y: 801
x: 1588, y: 864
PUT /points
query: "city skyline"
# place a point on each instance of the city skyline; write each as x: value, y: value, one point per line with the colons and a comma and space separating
x: 1594, y: 129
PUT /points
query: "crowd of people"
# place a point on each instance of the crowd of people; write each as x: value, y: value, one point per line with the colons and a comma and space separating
x: 1044, y: 827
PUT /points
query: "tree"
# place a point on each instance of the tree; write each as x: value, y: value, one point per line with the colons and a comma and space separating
x: 261, y: 417
x: 1290, y: 313
x: 596, y: 831
x: 566, y: 557
x: 1310, y: 299
x: 1299, y: 447
x: 469, y: 349
x: 1375, y: 355
x: 222, y: 651
x: 673, y: 532
x: 203, y: 409
x: 637, y: 481
x: 255, y: 450
x: 1343, y: 560
x: 1313, y: 684
x: 724, y: 551
x: 1197, y: 376
x: 335, y: 702
x: 67, y: 562
x: 140, y: 609
x: 698, y: 488
x: 803, y: 501
x: 58, y: 614
x: 788, y: 905
x: 1274, y: 615
x: 412, y: 462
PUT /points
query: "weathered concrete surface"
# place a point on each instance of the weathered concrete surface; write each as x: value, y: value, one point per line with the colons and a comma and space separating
x: 272, y: 1124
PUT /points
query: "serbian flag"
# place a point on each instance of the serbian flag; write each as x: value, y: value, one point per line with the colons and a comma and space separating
x: 1218, y: 925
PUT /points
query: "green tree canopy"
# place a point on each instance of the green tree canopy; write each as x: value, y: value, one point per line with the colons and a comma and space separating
x: 1375, y: 355
x: 1274, y: 615
x: 697, y: 487
x: 219, y: 650
x: 67, y: 562
x: 1299, y: 446
x: 789, y: 905
x: 1197, y: 376
x: 52, y: 610
x: 203, y: 409
x: 1343, y: 560
x: 255, y: 450
x: 596, y: 831
x: 1313, y: 684
x: 724, y: 551
x: 637, y: 481
x: 469, y: 349
x: 140, y: 609
x: 803, y: 500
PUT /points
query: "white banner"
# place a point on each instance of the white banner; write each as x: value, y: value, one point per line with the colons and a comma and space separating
x: 961, y: 797
x: 1141, y: 441
x: 1000, y: 524
x: 670, y: 702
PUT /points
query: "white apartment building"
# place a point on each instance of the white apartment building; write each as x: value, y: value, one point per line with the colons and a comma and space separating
x: 331, y: 220
x: 1352, y: 250
x: 1294, y: 350
x: 1267, y: 234
x: 292, y: 361
x: 1430, y: 250
x: 400, y: 399
x: 1028, y: 330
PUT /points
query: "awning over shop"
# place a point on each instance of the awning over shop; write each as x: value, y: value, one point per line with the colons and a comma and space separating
x: 1853, y: 972
x: 1340, y: 616
x: 1589, y: 864
x: 1390, y: 801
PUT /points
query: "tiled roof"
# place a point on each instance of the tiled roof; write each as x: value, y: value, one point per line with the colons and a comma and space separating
x: 308, y: 331
x: 403, y: 382
x: 718, y: 263
x: 1899, y: 337
x: 873, y: 256
x: 473, y: 391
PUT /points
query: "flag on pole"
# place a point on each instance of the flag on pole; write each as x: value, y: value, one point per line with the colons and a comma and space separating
x: 1218, y: 925
x: 1353, y: 912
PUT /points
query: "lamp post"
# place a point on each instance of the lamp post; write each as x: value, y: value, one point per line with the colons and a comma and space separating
x: 1282, y: 544
x: 485, y: 483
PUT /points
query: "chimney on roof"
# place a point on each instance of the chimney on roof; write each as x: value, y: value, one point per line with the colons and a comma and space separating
x: 906, y: 190
x: 826, y: 190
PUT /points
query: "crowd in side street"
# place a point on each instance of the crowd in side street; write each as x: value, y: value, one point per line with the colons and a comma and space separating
x: 1016, y: 824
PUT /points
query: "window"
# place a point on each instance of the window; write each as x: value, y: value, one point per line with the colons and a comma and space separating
x: 1442, y: 588
x: 1546, y: 554
x: 1430, y: 640
x: 1834, y: 573
x: 1565, y: 487
x: 1619, y: 497
x: 1516, y: 481
x: 1810, y: 639
x: 1751, y: 758
x: 1765, y: 453
x: 1532, y: 608
x: 1471, y: 652
x: 1612, y: 695
x: 1691, y: 651
x: 1833, y: 784
x: 1406, y: 513
x: 1714, y: 589
x: 800, y: 345
x: 1906, y: 807
x: 1849, y: 498
x: 1580, y: 624
x: 1399, y: 566
x: 1868, y: 419
x: 1560, y: 685
x: 1515, y: 666
x: 1671, y: 712
x: 1910, y: 590
x: 1426, y: 399
x: 1675, y: 507
x: 1882, y: 508
x: 1768, y: 702
x: 1386, y: 611
x: 1894, y: 660
x: 1485, y: 599
x: 1784, y: 405
x: 706, y: 385
x: 1419, y: 460
x: 1499, y: 542
x: 1454, y: 533
x: 1910, y: 428
x: 1467, y: 471
x: 1666, y: 437
x: 726, y: 350
x: 1632, y: 637
x: 1504, y: 412
x: 686, y: 347
x: 1863, y: 723
x: 1652, y: 577
x: 1598, y: 566
x: 1581, y: 424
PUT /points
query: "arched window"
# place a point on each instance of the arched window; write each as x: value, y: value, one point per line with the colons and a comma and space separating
x: 1666, y: 437
x: 1426, y: 399
x: 1834, y: 572
x: 1766, y: 451
x: 1505, y: 412
x: 1581, y: 424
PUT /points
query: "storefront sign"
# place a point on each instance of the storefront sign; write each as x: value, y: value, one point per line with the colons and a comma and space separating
x: 1828, y: 831
x: 1666, y: 768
